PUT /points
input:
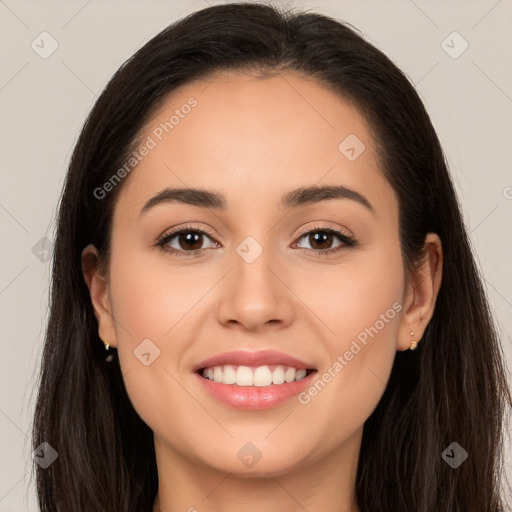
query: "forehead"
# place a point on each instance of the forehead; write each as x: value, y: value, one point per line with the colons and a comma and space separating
x: 253, y: 138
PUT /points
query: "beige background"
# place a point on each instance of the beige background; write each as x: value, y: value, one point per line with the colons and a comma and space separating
x: 44, y: 102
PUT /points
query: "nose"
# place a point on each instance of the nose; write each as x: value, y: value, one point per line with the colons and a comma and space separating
x: 254, y: 296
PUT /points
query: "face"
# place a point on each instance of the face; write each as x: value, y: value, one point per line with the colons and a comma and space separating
x: 260, y: 285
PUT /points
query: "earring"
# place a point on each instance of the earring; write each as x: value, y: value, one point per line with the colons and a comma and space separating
x: 414, y: 343
x: 110, y: 356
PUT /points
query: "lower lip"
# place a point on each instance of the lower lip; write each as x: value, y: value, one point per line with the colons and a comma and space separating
x: 253, y: 397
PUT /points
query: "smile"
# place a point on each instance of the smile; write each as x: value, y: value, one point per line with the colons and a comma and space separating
x: 259, y: 376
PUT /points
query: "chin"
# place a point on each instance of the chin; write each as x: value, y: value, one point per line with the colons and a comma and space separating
x: 276, y: 463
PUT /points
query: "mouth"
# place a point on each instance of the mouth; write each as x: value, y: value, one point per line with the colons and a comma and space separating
x: 254, y: 376
x: 253, y: 380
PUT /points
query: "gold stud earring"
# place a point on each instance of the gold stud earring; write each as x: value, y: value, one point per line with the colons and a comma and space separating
x: 414, y: 343
x: 110, y: 356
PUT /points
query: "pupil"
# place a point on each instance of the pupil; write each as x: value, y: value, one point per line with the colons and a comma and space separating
x: 320, y: 235
x: 193, y: 241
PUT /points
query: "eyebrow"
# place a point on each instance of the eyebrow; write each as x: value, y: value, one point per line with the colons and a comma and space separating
x: 293, y: 199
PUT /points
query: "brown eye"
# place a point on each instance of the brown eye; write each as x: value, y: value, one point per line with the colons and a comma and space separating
x: 191, y: 240
x: 185, y: 241
x: 321, y: 240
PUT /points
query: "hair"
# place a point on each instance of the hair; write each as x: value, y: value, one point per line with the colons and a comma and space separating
x: 452, y: 388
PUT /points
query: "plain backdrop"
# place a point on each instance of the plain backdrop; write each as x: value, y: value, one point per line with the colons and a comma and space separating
x: 44, y: 100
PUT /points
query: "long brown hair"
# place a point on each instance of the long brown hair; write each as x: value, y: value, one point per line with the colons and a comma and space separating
x: 453, y: 388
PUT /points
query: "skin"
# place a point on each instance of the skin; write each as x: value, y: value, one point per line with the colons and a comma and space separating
x: 253, y: 141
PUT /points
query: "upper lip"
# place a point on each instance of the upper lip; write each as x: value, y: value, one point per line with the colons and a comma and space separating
x: 251, y: 358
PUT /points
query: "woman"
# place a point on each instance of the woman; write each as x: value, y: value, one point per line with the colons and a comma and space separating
x: 259, y: 226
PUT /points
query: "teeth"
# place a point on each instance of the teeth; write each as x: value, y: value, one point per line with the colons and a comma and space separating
x: 262, y: 376
x: 229, y: 374
x: 300, y: 374
x: 217, y: 374
x: 249, y: 376
x: 244, y: 376
x: 289, y: 375
x: 278, y: 375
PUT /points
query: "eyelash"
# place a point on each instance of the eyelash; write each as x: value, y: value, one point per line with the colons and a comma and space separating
x: 347, y: 241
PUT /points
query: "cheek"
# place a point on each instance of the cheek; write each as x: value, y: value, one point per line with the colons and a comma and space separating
x: 151, y: 302
x: 150, y: 298
x: 350, y: 295
x: 362, y: 308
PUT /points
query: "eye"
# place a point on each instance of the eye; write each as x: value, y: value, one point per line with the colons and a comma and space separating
x: 320, y: 240
x: 188, y: 241
x: 185, y: 241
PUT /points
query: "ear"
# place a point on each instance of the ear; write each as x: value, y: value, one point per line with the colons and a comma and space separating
x: 100, y: 297
x: 421, y: 293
